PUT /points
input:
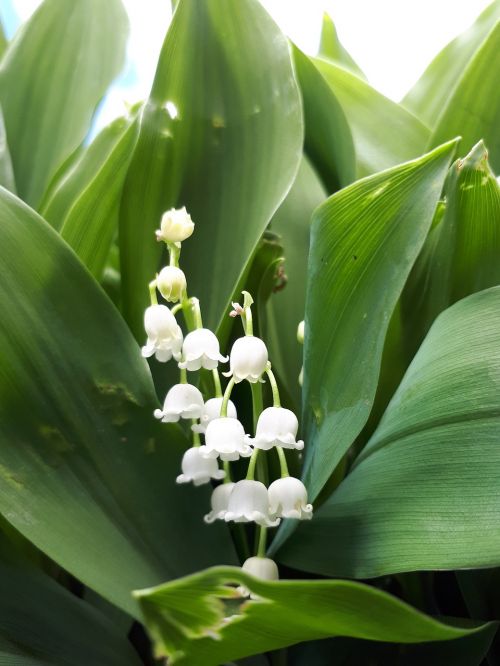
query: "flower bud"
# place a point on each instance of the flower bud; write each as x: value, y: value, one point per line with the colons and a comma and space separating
x: 219, y: 502
x: 300, y: 332
x: 171, y: 283
x: 277, y: 426
x: 164, y: 334
x: 249, y: 502
x: 183, y: 401
x: 248, y: 359
x: 288, y: 499
x: 198, y: 469
x: 176, y: 225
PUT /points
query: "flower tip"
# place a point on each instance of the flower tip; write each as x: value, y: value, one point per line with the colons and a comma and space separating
x: 158, y: 414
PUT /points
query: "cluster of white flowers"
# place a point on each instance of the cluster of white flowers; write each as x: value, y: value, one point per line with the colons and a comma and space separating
x: 246, y: 500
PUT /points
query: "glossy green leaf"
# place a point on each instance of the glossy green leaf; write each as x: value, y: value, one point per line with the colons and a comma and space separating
x: 185, y: 616
x: 461, y: 254
x: 424, y: 492
x: 286, y: 307
x: 328, y: 141
x: 6, y: 170
x: 384, y: 133
x: 52, y: 76
x: 85, y: 473
x: 42, y: 624
x: 4, y: 42
x: 220, y: 134
x: 330, y: 47
x: 473, y: 110
x: 364, y: 241
x: 84, y: 204
x: 431, y: 92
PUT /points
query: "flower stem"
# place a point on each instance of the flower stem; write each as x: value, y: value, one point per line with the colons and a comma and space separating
x: 217, y: 386
x: 261, y: 547
x: 283, y: 463
x: 247, y: 307
x: 152, y: 293
x: 195, y: 305
x: 257, y: 407
x: 174, y: 253
x: 274, y: 387
x: 251, y: 465
x: 196, y: 436
x: 176, y: 308
x: 225, y: 399
x: 183, y: 376
x: 227, y: 469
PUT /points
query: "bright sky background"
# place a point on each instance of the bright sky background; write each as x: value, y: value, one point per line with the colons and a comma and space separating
x: 391, y: 40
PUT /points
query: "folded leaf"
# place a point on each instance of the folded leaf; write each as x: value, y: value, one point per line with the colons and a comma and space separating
x: 221, y: 134
x: 424, y: 492
x: 461, y: 254
x: 429, y: 95
x: 384, y: 133
x: 328, y: 141
x: 201, y: 619
x: 473, y: 110
x: 52, y: 76
x: 364, y: 241
x: 331, y: 48
x: 85, y: 474
x: 85, y: 203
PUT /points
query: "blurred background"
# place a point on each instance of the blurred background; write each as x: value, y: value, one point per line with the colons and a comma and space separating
x: 393, y: 43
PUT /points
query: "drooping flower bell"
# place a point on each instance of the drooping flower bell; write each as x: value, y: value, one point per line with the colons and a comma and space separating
x: 248, y: 359
x: 249, y: 502
x: 225, y: 437
x: 171, y: 283
x: 219, y: 502
x: 288, y: 499
x: 176, y: 225
x: 164, y: 334
x: 277, y: 426
x: 198, y: 469
x: 201, y: 350
x: 183, y: 401
x: 259, y: 567
x: 211, y: 411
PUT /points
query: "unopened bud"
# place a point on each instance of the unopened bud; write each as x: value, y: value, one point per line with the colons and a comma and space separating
x: 176, y: 225
x: 171, y: 283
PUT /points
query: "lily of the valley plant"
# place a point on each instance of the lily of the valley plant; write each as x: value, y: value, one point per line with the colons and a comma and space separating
x: 249, y: 349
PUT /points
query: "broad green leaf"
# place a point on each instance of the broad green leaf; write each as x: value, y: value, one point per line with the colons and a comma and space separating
x: 473, y: 110
x: 364, y: 241
x: 185, y: 616
x: 6, y: 170
x: 52, y: 76
x: 384, y: 133
x: 84, y: 205
x: 330, y: 48
x: 328, y: 141
x: 431, y: 92
x: 461, y: 254
x: 85, y: 474
x: 42, y: 624
x: 220, y: 134
x: 286, y: 307
x: 3, y: 40
x: 424, y: 492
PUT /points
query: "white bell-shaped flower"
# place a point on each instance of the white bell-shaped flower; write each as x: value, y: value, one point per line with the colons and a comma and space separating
x: 198, y: 469
x: 225, y: 437
x: 259, y: 567
x: 176, y: 225
x: 277, y: 426
x: 249, y: 502
x: 183, y: 401
x: 164, y: 334
x: 219, y: 502
x: 211, y: 411
x: 201, y: 350
x: 248, y: 359
x: 171, y: 283
x: 288, y: 499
